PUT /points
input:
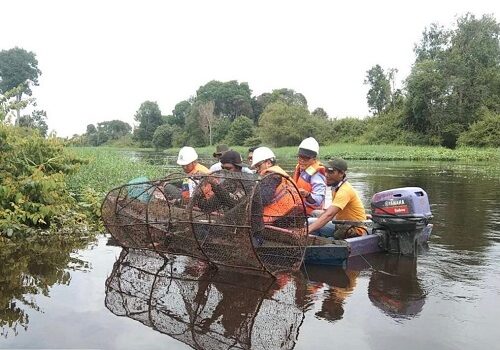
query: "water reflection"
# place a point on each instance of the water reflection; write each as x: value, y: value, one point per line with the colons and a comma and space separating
x: 203, y: 308
x: 29, y: 269
x: 209, y: 309
x: 394, y: 286
x: 331, y: 287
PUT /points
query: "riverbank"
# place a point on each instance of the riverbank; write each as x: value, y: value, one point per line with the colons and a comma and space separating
x: 107, y: 168
x: 379, y: 152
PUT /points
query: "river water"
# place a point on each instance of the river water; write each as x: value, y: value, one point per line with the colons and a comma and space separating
x: 60, y: 294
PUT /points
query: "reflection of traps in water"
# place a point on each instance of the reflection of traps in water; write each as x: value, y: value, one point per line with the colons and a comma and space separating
x: 230, y: 219
x: 202, y: 309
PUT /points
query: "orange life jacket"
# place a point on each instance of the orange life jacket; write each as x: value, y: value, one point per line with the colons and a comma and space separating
x: 285, y: 197
x: 303, y: 180
x: 198, y: 169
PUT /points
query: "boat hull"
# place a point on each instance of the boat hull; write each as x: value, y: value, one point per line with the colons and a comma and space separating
x: 339, y: 251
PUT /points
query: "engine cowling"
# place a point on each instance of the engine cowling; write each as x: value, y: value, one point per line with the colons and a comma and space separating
x: 401, y: 216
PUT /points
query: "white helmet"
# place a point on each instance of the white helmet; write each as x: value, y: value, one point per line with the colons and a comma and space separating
x: 186, y: 155
x: 260, y: 154
x: 309, y: 147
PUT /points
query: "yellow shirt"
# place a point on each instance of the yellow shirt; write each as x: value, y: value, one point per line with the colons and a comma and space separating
x: 347, y: 199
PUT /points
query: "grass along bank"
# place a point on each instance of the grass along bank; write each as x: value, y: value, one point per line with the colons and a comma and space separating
x: 107, y: 168
x: 378, y: 152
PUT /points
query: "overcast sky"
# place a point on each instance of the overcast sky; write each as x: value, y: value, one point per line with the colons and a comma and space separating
x: 101, y: 59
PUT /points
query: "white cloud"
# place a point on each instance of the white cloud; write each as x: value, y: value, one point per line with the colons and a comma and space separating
x: 101, y: 59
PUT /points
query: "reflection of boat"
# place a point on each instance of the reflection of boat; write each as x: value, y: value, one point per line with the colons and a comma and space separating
x: 229, y: 228
x: 394, y: 287
x: 203, y: 309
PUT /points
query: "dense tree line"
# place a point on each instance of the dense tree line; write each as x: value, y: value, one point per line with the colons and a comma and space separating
x: 450, y: 98
x: 452, y: 95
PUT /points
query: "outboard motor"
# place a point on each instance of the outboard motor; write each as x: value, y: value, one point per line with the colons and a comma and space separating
x: 401, y: 217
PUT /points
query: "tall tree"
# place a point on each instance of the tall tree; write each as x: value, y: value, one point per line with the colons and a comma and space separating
x: 240, y: 130
x: 289, y: 97
x: 18, y: 68
x: 91, y: 129
x: 231, y: 98
x: 285, y: 125
x: 456, y: 73
x: 114, y: 129
x: 207, y: 117
x: 163, y: 136
x: 180, y: 112
x: 196, y: 136
x: 149, y: 118
x: 320, y: 113
x: 286, y: 96
x: 434, y: 43
x: 379, y: 94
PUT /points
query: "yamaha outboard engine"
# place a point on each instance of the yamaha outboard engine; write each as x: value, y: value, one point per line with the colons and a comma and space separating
x: 401, y: 217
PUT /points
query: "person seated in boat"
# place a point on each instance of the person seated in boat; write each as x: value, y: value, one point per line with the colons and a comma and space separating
x: 277, y: 194
x: 250, y: 157
x: 309, y: 176
x: 219, y: 151
x: 228, y: 186
x: 226, y: 195
x: 346, y: 205
x: 188, y: 160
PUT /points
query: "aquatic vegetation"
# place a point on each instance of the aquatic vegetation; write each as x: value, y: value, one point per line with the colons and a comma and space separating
x: 399, y: 152
x: 379, y: 152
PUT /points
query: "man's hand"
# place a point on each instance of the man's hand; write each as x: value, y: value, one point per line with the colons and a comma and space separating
x: 304, y: 193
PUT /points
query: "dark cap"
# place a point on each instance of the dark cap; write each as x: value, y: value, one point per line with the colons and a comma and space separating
x: 307, y: 153
x: 336, y: 164
x: 232, y: 157
x: 220, y: 149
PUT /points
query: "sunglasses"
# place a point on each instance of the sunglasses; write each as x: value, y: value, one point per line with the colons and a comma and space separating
x: 228, y: 167
x: 303, y: 157
x: 258, y: 165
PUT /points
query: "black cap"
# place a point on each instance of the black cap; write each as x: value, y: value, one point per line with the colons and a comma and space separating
x: 336, y: 164
x: 232, y: 157
x: 220, y: 149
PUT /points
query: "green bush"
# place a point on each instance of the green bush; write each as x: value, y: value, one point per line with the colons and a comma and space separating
x: 347, y: 130
x: 386, y: 128
x: 483, y: 133
x: 33, y: 191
